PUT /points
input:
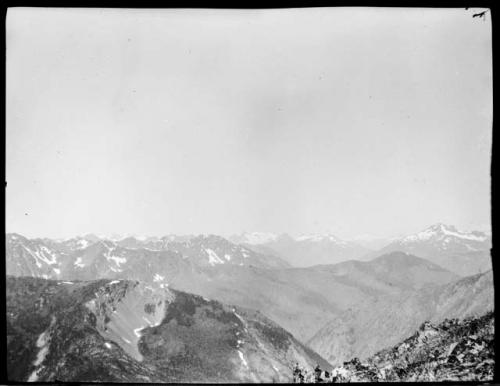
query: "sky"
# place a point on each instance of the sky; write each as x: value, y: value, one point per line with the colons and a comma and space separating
x: 354, y: 121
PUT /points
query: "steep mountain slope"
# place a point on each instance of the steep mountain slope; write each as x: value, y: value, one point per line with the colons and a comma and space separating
x: 363, y: 330
x: 450, y: 351
x: 26, y: 257
x: 305, y: 250
x: 221, y: 251
x: 128, y: 331
x: 460, y: 252
x: 304, y: 299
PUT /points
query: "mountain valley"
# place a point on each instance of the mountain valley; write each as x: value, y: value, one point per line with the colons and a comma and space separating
x: 193, y: 286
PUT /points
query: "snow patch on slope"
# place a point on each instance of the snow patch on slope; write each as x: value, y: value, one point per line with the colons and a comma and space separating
x: 213, y: 258
x: 242, y: 358
x: 43, y: 343
x: 78, y: 263
x: 117, y: 259
x: 466, y: 236
x: 82, y: 244
x: 158, y: 277
x: 48, y: 256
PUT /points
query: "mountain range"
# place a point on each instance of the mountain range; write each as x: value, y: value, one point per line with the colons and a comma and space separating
x: 352, y: 308
x: 464, y: 253
x: 461, y: 252
x: 304, y: 250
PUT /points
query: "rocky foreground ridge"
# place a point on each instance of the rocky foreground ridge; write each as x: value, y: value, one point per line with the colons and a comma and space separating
x: 453, y: 350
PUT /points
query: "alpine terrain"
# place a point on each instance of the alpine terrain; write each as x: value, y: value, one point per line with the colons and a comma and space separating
x: 464, y: 253
x: 350, y: 309
x: 126, y: 331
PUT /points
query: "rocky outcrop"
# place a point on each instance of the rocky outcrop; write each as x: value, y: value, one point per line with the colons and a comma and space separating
x: 451, y: 351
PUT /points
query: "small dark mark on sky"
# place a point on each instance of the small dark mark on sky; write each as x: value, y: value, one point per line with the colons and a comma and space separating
x: 26, y: 214
x: 5, y: 183
x: 480, y: 14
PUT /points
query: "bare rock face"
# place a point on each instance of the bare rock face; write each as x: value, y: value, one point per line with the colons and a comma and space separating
x: 128, y: 331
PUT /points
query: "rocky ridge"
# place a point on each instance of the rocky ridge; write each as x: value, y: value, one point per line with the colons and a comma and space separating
x: 128, y: 331
x: 454, y: 350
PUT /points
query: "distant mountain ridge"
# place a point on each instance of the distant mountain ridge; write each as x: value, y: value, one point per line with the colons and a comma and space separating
x: 461, y: 252
x: 464, y: 253
x: 305, y: 250
x: 85, y: 257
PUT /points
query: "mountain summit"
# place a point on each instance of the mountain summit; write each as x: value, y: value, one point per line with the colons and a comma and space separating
x: 461, y: 252
x: 446, y: 233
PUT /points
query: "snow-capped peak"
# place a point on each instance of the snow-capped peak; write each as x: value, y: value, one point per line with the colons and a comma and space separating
x: 213, y: 258
x: 258, y: 237
x: 440, y: 230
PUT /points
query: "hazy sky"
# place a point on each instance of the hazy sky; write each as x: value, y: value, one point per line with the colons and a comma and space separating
x: 349, y: 120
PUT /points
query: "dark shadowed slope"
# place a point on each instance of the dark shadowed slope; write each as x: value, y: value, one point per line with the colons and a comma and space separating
x: 127, y: 331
